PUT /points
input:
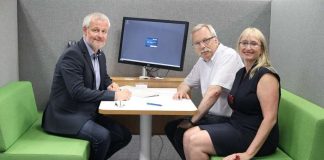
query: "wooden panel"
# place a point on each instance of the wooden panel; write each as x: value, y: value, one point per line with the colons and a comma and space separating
x: 151, y: 83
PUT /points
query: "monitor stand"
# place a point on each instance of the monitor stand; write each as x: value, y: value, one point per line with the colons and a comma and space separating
x: 144, y: 74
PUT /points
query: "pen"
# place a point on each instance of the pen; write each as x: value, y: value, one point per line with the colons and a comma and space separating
x: 119, y: 104
x: 155, y: 95
x: 153, y: 104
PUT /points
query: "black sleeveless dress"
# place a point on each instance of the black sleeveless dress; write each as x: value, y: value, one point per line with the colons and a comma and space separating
x: 237, y: 134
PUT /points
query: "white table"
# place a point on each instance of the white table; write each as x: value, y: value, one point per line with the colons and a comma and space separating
x: 145, y: 107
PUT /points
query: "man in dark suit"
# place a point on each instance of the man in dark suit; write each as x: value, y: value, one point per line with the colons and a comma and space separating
x: 80, y: 82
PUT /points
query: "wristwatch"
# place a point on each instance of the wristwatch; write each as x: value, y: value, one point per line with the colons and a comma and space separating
x: 189, y: 120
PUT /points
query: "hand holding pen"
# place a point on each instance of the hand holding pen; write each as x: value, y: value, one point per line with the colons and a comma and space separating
x: 113, y: 87
x: 123, y: 95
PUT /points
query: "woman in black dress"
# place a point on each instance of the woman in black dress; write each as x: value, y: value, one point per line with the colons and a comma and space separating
x: 254, y: 98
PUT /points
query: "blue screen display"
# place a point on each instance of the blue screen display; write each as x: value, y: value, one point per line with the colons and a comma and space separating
x: 152, y: 42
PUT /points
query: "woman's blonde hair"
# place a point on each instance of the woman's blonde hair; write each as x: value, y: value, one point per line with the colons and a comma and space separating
x: 263, y: 60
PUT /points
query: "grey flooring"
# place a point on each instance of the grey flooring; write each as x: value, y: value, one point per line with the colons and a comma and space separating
x: 161, y: 149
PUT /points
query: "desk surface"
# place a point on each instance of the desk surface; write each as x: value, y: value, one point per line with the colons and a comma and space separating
x: 140, y: 106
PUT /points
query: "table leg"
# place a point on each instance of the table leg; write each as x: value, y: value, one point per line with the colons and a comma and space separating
x: 145, y: 137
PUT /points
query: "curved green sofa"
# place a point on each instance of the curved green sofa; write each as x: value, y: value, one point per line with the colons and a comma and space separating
x: 21, y: 135
x: 301, y: 127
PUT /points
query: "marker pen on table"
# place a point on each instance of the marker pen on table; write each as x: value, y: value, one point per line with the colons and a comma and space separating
x: 155, y: 95
x: 153, y: 104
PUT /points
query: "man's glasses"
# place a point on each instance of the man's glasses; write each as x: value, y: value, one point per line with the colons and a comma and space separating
x: 205, y: 42
x: 252, y: 44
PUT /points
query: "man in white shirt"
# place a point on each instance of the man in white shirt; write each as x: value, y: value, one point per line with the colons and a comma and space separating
x: 214, y: 73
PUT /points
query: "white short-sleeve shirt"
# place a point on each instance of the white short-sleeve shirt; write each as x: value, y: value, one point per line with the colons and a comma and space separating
x: 221, y: 71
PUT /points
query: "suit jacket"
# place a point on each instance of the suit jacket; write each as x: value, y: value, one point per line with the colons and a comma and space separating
x: 74, y: 99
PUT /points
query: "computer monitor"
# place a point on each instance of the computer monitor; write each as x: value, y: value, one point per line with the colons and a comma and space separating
x: 153, y: 43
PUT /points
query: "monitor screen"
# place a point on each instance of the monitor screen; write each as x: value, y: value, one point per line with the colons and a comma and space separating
x: 153, y: 43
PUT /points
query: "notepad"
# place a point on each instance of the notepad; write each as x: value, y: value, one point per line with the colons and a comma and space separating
x: 141, y: 92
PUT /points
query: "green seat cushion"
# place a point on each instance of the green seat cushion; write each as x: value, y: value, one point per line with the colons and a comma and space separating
x: 18, y: 112
x: 278, y: 155
x: 301, y: 126
x: 35, y: 144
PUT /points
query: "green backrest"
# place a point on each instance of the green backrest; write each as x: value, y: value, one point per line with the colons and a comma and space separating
x: 18, y: 112
x: 301, y: 125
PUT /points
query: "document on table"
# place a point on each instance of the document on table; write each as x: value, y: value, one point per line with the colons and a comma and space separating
x: 150, y: 99
x: 141, y: 92
x: 149, y: 104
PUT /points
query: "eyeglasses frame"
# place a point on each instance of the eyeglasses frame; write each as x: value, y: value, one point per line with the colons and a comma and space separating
x: 249, y: 43
x: 205, y: 42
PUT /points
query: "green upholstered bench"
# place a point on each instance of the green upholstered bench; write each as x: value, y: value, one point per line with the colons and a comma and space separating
x: 21, y: 135
x: 301, y: 127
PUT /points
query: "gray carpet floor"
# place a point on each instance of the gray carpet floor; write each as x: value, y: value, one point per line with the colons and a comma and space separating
x: 161, y: 149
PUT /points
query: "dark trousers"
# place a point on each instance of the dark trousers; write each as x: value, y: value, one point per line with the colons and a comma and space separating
x: 105, y: 136
x: 175, y: 133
